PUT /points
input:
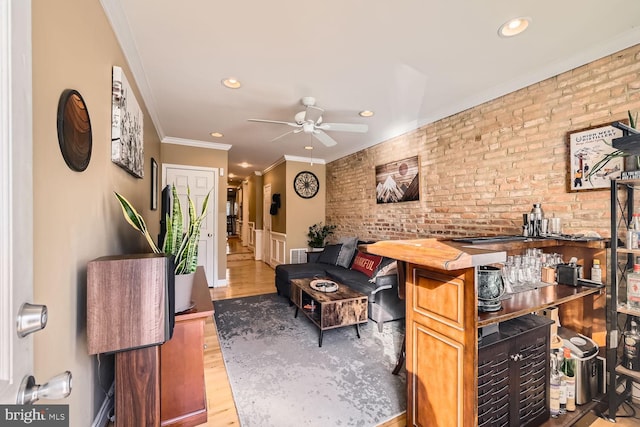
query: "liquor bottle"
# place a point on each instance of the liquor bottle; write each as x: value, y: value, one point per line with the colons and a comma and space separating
x: 554, y: 389
x: 596, y: 271
x: 633, y: 287
x: 570, y: 378
x: 631, y: 353
x: 563, y: 384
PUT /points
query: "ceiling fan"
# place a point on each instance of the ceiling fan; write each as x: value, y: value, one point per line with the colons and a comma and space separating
x: 310, y: 122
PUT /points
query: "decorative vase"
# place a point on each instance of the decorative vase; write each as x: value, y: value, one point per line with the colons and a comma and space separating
x: 183, y: 285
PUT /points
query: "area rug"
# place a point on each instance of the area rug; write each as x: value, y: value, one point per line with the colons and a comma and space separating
x: 280, y: 377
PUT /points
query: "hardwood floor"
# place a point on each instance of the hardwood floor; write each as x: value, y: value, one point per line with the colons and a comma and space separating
x: 247, y: 277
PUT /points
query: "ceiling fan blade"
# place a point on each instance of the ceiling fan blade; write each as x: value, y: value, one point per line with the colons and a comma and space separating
x: 324, y: 138
x: 313, y: 114
x: 282, y: 136
x: 295, y: 125
x: 343, y: 127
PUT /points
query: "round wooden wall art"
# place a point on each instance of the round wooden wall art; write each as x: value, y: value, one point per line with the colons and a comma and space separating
x: 74, y: 130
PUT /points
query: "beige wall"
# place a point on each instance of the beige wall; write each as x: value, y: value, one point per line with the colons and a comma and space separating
x: 76, y: 216
x: 483, y: 168
x: 193, y: 156
x: 303, y: 213
x: 277, y: 177
x: 255, y: 200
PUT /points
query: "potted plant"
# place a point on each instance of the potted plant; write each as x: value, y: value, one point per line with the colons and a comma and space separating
x: 633, y: 120
x: 318, y: 233
x: 182, y: 245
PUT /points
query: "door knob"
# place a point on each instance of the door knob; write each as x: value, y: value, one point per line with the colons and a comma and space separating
x: 31, y: 318
x: 210, y: 234
x: 57, y: 387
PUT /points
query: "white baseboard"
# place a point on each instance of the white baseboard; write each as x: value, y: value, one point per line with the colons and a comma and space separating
x: 220, y: 283
x: 102, y: 417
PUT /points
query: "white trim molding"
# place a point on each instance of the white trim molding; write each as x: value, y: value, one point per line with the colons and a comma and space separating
x: 196, y: 143
x: 16, y: 190
x: 278, y: 245
x: 258, y: 244
x: 251, y: 234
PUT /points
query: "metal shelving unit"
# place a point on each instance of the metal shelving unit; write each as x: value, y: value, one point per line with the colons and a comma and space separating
x: 618, y: 313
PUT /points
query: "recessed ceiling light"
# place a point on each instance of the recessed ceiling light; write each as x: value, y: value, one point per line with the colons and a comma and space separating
x: 244, y: 165
x: 514, y: 26
x: 366, y: 113
x: 231, y: 83
x: 308, y: 147
x: 216, y: 134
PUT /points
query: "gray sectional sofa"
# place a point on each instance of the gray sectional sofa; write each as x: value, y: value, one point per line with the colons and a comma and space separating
x: 337, y: 263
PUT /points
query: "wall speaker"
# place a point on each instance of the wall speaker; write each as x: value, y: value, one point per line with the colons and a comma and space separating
x: 130, y: 302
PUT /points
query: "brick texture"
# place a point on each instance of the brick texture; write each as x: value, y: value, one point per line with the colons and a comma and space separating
x: 482, y: 168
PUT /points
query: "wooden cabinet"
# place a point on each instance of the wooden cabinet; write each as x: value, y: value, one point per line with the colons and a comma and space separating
x: 164, y: 385
x: 512, y: 374
x: 443, y: 321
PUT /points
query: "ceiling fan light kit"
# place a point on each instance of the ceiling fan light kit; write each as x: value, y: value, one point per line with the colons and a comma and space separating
x: 310, y: 122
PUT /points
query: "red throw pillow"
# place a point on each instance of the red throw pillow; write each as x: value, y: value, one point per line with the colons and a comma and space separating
x: 366, y: 263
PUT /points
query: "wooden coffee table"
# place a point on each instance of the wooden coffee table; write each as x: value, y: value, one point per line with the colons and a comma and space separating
x: 343, y: 307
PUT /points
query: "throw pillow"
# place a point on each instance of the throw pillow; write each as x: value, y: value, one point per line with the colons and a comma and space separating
x: 366, y: 263
x: 349, y: 245
x: 330, y: 254
x: 385, y: 269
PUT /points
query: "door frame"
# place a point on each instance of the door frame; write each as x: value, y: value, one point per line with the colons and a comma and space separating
x: 213, y: 203
x: 16, y: 191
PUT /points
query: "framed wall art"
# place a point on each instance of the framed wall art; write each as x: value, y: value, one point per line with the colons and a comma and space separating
x: 127, y: 129
x: 154, y: 184
x: 398, y: 181
x: 592, y: 160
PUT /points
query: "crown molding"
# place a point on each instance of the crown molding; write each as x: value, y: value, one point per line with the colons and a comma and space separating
x: 196, y: 143
x: 116, y: 16
x: 289, y: 158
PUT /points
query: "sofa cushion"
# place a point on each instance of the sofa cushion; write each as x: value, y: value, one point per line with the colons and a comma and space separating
x: 348, y: 249
x: 352, y: 278
x: 330, y: 254
x: 366, y: 263
x: 287, y: 272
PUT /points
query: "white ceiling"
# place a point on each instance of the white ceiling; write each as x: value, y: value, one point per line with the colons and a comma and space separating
x: 410, y: 61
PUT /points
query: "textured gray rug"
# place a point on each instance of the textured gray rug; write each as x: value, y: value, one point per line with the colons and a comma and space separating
x: 280, y: 377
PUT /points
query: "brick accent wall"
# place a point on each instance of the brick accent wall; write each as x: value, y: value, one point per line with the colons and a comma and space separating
x: 481, y: 169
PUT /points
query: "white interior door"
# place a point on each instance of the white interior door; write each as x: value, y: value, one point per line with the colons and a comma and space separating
x: 200, y: 181
x: 266, y: 224
x: 16, y: 193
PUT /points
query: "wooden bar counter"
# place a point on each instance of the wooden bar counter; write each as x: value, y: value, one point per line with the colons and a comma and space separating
x: 442, y: 319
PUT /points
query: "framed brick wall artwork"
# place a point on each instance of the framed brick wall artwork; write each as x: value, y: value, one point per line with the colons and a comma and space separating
x: 593, y: 162
x: 126, y: 126
x: 398, y: 181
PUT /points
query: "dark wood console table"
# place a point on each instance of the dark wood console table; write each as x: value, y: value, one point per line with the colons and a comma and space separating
x: 164, y: 385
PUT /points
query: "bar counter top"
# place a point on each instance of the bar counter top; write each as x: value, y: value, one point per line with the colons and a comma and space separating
x: 439, y: 254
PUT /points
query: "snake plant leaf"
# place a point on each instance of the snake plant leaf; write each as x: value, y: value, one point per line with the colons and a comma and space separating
x: 135, y: 219
x: 182, y: 245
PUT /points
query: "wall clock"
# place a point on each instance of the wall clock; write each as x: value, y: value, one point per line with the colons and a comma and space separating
x: 306, y: 184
